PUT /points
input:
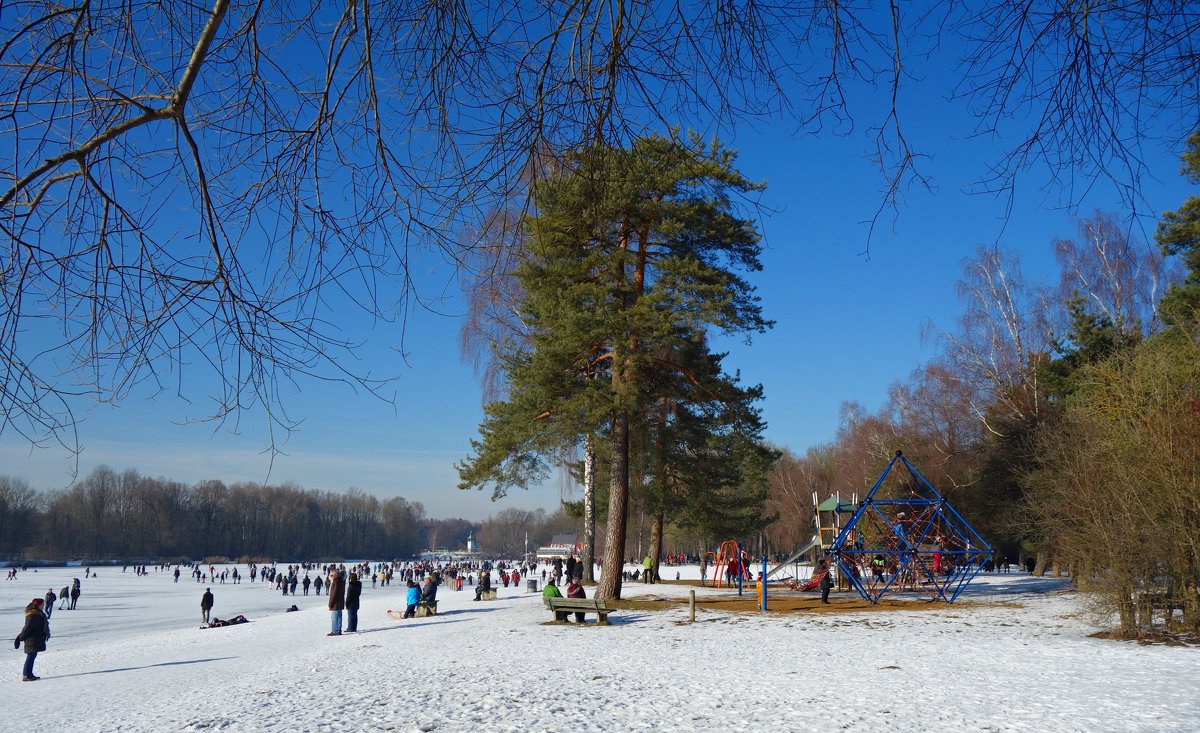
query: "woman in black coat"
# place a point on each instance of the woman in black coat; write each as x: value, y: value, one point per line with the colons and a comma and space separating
x: 34, y: 634
x: 353, y: 591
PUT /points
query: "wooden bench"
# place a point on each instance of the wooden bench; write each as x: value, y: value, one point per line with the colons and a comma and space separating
x: 488, y: 595
x: 564, y: 606
x: 426, y: 609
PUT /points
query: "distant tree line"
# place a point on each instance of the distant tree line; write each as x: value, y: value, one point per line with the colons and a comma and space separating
x: 110, y: 515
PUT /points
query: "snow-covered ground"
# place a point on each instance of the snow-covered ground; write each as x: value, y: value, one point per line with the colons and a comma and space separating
x: 1015, y: 655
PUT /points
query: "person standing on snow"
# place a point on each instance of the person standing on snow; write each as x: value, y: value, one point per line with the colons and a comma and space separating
x: 34, y: 634
x: 337, y: 601
x: 50, y: 599
x: 826, y: 583
x: 353, y: 592
x: 206, y: 604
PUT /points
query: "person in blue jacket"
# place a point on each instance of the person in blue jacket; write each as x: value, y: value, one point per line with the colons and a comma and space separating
x: 414, y: 597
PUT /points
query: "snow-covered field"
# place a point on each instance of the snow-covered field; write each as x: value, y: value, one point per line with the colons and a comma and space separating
x: 1015, y: 656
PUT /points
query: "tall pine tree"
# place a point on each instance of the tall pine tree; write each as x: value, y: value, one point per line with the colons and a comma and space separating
x: 630, y: 250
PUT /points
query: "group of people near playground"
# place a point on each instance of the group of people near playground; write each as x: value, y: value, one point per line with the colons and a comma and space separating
x: 343, y: 586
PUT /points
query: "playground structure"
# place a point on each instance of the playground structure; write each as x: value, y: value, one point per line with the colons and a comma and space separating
x: 907, y: 538
x: 827, y: 521
x: 730, y: 557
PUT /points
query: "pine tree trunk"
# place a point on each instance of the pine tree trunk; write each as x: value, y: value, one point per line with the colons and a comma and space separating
x: 656, y: 540
x: 589, y: 509
x: 618, y: 504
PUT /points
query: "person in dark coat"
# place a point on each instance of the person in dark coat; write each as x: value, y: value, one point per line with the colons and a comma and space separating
x: 74, y: 593
x: 826, y: 583
x: 337, y: 601
x: 206, y: 604
x: 34, y: 634
x: 353, y: 591
x: 429, y: 591
x: 50, y: 599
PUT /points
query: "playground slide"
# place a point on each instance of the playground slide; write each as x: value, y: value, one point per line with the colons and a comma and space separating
x: 815, y: 542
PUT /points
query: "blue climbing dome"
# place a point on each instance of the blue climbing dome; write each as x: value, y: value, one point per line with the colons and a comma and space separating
x: 905, y: 537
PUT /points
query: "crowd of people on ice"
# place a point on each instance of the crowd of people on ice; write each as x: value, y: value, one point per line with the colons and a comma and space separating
x: 341, y: 584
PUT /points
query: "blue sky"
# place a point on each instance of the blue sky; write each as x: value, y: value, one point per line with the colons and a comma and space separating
x: 848, y: 325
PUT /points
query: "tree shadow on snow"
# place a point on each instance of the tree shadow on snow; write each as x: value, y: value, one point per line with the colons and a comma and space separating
x: 1019, y: 585
x: 147, y: 666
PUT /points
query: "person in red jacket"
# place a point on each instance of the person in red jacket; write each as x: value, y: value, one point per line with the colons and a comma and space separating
x: 575, y: 590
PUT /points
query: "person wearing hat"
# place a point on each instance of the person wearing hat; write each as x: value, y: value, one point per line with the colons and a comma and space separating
x: 34, y: 635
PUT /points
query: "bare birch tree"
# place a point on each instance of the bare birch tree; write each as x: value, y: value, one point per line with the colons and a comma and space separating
x: 1002, y: 334
x: 1118, y: 279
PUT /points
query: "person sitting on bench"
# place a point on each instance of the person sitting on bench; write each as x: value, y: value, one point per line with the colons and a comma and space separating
x: 485, y: 584
x: 575, y: 590
x: 429, y: 593
x: 551, y: 591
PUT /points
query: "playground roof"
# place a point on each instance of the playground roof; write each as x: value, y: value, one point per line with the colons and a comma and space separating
x: 833, y: 505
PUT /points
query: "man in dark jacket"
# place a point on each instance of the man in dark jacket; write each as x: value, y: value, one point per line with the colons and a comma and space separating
x: 337, y: 600
x: 50, y: 599
x: 429, y: 591
x: 353, y: 591
x: 826, y: 583
x: 206, y: 604
x: 34, y: 634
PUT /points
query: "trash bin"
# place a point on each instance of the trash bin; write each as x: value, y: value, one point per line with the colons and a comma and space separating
x: 531, y: 584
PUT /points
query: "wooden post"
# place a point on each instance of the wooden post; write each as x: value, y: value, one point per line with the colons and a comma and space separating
x: 692, y: 607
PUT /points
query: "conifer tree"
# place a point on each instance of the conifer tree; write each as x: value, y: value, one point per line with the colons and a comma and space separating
x: 629, y: 249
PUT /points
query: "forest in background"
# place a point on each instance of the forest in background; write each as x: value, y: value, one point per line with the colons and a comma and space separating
x: 111, y: 516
